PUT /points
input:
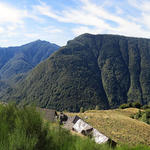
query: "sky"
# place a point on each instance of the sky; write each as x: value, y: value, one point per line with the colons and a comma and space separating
x: 57, y: 21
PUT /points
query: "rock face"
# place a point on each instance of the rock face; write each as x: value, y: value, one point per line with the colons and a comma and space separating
x: 103, y: 70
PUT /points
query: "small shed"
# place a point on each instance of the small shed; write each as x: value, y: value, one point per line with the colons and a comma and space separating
x: 82, y: 127
x: 99, y: 137
x: 74, y: 119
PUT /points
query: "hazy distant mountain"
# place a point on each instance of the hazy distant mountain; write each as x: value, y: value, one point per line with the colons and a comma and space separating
x: 104, y: 70
x: 21, y: 59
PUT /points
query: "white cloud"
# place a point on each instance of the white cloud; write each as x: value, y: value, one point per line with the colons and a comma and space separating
x: 71, y: 16
x: 45, y: 10
x: 1, y: 30
x: 9, y: 14
x: 119, y: 11
x: 31, y: 35
x: 86, y: 17
x: 51, y: 29
x: 144, y: 17
x: 41, y: 32
x: 11, y: 22
x: 90, y: 14
x: 142, y: 5
x: 84, y: 29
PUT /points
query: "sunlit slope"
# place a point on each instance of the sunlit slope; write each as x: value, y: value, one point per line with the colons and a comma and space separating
x: 118, y: 125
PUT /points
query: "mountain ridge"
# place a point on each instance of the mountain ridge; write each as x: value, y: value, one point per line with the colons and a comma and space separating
x: 23, y: 58
x: 103, y: 70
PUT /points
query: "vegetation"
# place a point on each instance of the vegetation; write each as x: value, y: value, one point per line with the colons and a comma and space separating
x: 24, y: 129
x: 15, y: 62
x: 118, y: 125
x: 81, y: 110
x: 91, y: 70
x: 146, y: 107
x: 143, y: 116
x: 131, y: 105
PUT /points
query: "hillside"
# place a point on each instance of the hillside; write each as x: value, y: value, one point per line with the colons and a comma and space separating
x: 103, y: 70
x: 25, y: 129
x: 21, y: 59
x: 118, y: 125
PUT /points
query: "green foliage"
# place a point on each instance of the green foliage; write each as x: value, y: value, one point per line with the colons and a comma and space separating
x: 22, y: 129
x: 143, y: 116
x: 15, y: 62
x: 128, y: 105
x: 146, y: 107
x: 123, y: 106
x: 136, y: 105
x: 103, y: 70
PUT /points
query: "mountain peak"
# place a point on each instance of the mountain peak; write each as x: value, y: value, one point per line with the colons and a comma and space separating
x: 21, y: 59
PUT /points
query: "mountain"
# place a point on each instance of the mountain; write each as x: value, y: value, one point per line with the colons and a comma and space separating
x: 103, y: 70
x: 21, y: 59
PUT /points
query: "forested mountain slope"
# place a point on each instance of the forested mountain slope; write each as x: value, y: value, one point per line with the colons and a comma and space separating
x: 104, y: 70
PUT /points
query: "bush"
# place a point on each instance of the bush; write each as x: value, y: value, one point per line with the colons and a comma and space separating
x: 146, y: 107
x: 143, y: 116
x: 128, y: 105
x: 123, y: 106
x: 136, y: 105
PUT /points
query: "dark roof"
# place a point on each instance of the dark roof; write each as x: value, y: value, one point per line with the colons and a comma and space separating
x: 71, y: 121
x: 74, y: 119
x: 48, y: 114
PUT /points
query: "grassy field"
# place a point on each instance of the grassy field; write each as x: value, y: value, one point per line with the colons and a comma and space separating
x: 118, y: 125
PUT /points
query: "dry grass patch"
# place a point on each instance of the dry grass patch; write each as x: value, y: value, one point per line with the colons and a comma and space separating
x: 118, y: 125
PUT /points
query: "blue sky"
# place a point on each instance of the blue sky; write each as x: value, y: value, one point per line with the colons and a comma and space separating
x: 57, y: 21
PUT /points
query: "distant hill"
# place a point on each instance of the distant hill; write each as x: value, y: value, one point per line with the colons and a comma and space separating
x: 21, y: 59
x: 103, y: 70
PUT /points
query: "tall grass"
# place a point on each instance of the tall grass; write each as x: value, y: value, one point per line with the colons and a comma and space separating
x: 24, y: 129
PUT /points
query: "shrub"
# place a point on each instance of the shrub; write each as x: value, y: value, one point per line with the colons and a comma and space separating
x: 136, y: 105
x: 143, y: 116
x: 123, y: 106
x: 146, y: 107
x: 128, y: 105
